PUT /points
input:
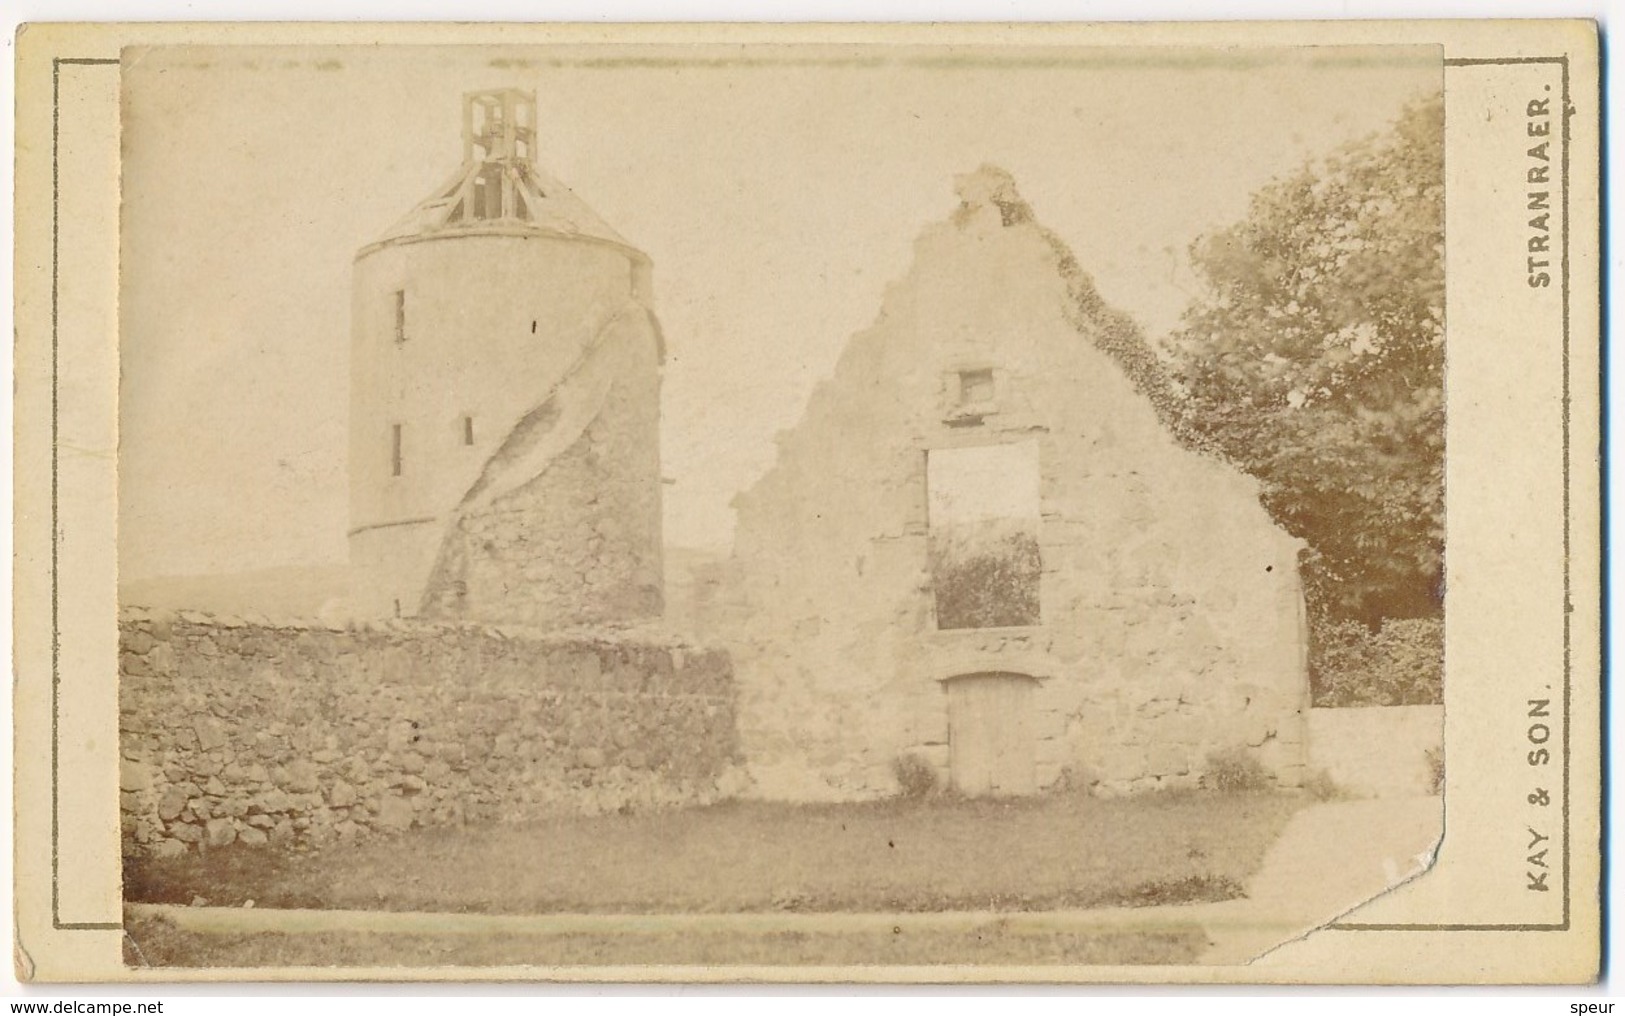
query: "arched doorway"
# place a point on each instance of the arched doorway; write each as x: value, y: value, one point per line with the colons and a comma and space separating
x: 990, y: 733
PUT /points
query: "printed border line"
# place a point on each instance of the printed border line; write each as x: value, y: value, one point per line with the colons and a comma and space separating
x: 56, y: 526
x: 1568, y: 601
x: 1568, y: 520
x: 56, y: 678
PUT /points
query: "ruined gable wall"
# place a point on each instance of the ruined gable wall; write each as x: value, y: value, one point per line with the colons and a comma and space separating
x: 1171, y: 622
x: 296, y: 736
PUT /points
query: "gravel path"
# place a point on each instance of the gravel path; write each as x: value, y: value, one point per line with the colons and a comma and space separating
x: 1330, y: 859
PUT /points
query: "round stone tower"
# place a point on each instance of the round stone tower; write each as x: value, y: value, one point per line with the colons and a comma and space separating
x: 504, y: 400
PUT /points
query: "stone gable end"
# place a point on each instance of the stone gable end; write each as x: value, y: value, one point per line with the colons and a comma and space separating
x: 1170, y: 622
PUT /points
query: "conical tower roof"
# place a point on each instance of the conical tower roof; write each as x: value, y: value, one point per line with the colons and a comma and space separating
x: 499, y: 189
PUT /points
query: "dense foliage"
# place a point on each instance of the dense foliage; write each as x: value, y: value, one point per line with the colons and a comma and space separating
x: 915, y: 776
x: 984, y: 579
x: 1235, y: 770
x: 1398, y: 664
x: 1315, y: 361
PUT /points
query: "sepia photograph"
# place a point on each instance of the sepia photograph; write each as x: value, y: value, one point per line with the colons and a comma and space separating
x: 826, y: 504
x: 783, y: 506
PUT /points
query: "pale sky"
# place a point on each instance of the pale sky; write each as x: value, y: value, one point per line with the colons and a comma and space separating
x: 777, y: 196
x: 986, y: 482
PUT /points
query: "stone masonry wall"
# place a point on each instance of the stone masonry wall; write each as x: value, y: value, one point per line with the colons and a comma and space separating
x: 578, y: 544
x: 1170, y: 620
x: 505, y: 439
x: 297, y: 736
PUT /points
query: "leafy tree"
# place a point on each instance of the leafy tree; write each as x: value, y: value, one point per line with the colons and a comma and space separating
x: 1316, y: 363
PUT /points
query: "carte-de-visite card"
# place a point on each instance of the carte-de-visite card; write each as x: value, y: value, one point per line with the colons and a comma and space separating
x: 815, y: 503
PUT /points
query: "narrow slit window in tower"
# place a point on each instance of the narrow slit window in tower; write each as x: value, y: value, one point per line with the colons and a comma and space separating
x: 468, y: 430
x: 400, y: 315
x: 395, y: 450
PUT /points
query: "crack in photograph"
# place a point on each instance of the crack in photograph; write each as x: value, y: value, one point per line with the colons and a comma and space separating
x: 813, y: 505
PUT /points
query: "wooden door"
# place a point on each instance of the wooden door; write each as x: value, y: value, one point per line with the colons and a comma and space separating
x: 990, y: 742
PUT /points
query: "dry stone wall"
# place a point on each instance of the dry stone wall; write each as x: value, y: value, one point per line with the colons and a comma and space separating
x: 290, y: 736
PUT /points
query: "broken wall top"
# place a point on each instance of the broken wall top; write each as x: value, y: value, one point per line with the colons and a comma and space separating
x: 991, y: 288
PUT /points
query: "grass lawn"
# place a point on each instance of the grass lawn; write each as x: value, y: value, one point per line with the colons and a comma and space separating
x: 158, y: 943
x: 1049, y: 852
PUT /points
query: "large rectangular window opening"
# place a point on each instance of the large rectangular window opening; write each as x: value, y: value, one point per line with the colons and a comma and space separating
x: 983, y: 520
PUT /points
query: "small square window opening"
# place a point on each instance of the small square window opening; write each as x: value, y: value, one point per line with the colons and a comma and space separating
x: 975, y: 387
